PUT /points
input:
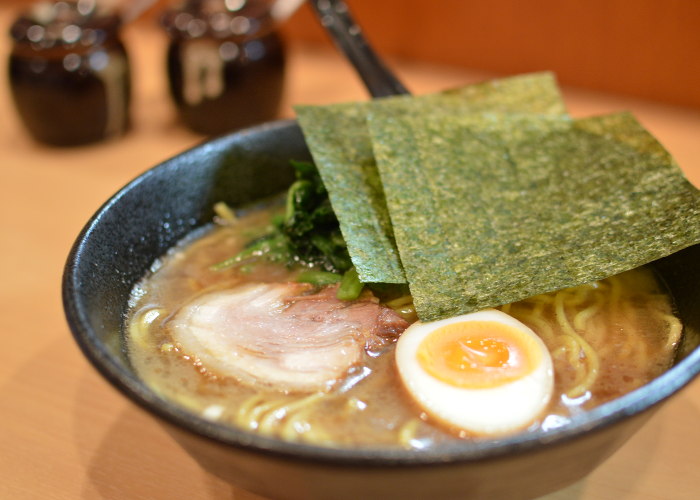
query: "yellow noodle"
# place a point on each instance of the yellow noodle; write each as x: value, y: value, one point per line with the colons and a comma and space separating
x: 408, y: 313
x: 298, y: 413
x: 558, y: 352
x: 139, y: 330
x: 545, y: 298
x: 585, y: 382
x: 294, y: 428
x: 572, y: 349
x: 583, y: 320
x: 400, y: 302
x: 675, y: 328
x: 407, y: 432
x: 574, y: 296
x: 561, y: 346
x: 251, y: 419
x: 225, y: 213
x: 594, y: 327
x: 271, y: 417
x: 404, y: 307
x: 245, y: 407
x: 297, y: 425
x: 584, y: 315
x: 189, y: 402
x: 538, y: 324
x: 306, y: 401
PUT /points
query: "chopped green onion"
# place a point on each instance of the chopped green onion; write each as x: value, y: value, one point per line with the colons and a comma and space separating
x: 350, y: 286
x: 319, y: 278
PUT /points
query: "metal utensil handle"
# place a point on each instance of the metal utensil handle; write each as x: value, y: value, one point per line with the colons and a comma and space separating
x: 335, y: 17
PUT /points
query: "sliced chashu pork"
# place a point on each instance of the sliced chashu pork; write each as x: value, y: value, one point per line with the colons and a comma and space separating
x: 272, y: 333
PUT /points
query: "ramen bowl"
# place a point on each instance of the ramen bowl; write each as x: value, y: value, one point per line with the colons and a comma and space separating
x: 156, y: 210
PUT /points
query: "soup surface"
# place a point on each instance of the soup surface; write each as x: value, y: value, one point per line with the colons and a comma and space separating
x: 605, y: 339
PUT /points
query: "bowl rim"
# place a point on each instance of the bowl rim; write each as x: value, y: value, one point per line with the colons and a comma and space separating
x: 636, y: 402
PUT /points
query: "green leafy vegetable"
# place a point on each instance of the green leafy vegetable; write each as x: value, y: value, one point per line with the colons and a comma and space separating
x: 310, y: 225
x: 307, y: 233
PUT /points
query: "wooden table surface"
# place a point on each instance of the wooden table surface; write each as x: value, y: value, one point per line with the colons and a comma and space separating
x: 66, y: 434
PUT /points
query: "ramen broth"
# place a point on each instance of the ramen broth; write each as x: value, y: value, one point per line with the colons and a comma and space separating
x: 605, y: 339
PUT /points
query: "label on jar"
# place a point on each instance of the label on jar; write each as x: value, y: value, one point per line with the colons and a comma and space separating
x: 203, y: 71
x: 112, y: 70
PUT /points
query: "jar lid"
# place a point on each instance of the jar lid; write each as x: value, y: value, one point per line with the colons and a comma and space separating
x: 242, y: 19
x: 65, y: 24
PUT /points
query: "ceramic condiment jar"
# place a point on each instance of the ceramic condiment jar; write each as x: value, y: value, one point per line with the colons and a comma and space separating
x: 225, y: 63
x: 69, y: 73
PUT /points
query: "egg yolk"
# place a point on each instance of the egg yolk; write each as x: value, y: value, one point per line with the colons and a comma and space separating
x: 478, y: 354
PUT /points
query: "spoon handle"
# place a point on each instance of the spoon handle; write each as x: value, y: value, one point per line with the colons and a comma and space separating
x: 335, y: 17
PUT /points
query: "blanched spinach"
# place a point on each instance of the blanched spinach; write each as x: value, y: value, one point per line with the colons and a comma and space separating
x: 307, y: 233
x: 310, y: 226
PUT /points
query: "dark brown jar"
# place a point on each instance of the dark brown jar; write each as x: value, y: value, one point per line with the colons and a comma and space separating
x: 69, y: 73
x: 225, y: 63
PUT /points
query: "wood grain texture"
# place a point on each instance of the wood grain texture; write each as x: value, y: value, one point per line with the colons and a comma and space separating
x: 65, y: 434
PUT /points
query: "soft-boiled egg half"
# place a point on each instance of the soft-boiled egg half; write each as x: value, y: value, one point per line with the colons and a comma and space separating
x: 485, y: 372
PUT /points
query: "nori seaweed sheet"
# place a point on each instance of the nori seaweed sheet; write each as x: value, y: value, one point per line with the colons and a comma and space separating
x: 492, y: 208
x: 339, y: 141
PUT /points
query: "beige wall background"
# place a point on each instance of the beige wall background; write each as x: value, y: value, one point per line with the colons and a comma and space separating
x: 645, y: 48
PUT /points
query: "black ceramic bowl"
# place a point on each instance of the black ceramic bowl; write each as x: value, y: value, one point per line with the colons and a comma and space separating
x: 160, y: 207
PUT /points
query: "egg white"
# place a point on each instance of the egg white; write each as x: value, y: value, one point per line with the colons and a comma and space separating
x: 488, y: 411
